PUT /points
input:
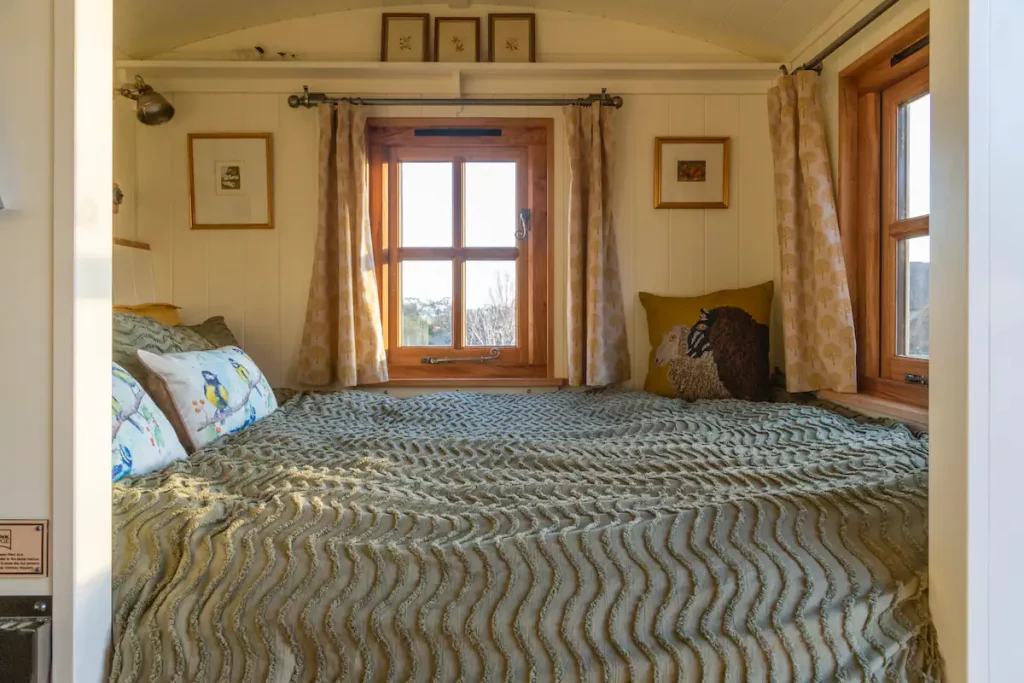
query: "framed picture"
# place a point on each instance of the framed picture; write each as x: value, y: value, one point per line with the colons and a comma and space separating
x: 456, y: 39
x: 231, y: 180
x: 511, y: 37
x: 691, y: 173
x: 405, y: 38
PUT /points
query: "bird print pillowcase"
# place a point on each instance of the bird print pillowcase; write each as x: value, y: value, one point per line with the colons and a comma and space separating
x: 711, y: 346
x: 143, y: 439
x: 208, y: 394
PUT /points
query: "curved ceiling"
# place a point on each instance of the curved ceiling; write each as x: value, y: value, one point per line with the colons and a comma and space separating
x: 763, y: 29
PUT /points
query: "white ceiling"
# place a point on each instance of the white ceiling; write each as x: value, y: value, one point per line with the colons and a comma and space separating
x: 763, y: 29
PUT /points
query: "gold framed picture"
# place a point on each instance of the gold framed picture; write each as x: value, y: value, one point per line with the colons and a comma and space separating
x: 231, y: 181
x: 456, y: 39
x: 691, y: 173
x: 405, y: 38
x: 511, y: 37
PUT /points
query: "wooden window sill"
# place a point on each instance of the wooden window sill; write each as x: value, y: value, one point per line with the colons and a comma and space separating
x: 465, y: 383
x: 875, y: 406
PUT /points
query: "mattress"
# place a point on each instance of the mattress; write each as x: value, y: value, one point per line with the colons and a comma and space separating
x: 574, y: 536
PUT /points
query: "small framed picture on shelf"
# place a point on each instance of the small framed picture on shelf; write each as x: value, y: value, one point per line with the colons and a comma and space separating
x: 457, y: 39
x: 511, y: 37
x: 231, y: 181
x: 691, y: 173
x: 405, y: 38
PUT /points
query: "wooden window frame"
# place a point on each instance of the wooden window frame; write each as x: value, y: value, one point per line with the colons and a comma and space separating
x: 867, y: 212
x: 529, y: 143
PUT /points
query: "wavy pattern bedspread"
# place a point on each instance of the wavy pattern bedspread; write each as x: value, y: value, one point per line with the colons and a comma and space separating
x: 606, y: 536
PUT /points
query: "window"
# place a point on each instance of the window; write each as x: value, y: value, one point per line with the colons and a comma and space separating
x: 459, y: 212
x: 906, y: 109
x: 884, y: 176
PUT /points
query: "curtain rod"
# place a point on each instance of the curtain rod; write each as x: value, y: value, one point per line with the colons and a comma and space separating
x: 815, y: 62
x: 311, y: 99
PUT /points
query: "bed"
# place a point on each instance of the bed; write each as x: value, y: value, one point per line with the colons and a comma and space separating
x: 574, y: 536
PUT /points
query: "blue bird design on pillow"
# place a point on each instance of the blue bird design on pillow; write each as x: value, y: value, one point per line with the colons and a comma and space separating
x: 243, y: 374
x: 123, y: 375
x: 251, y: 419
x: 124, y: 466
x: 118, y: 413
x: 216, y: 393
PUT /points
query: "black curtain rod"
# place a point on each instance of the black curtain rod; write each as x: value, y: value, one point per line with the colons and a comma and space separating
x: 311, y: 99
x: 814, y: 64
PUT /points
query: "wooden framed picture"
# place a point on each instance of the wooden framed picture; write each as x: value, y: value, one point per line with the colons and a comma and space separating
x: 691, y: 173
x: 405, y: 38
x: 231, y: 181
x: 456, y: 39
x: 511, y: 37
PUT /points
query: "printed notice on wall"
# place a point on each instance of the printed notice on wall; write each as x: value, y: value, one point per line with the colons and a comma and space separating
x: 23, y: 548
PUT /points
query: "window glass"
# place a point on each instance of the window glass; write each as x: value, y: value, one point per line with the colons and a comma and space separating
x: 490, y: 303
x: 912, y: 311
x: 490, y: 203
x: 426, y: 201
x: 426, y: 303
x: 914, y: 135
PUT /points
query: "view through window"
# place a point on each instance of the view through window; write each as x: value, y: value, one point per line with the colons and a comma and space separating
x: 460, y: 222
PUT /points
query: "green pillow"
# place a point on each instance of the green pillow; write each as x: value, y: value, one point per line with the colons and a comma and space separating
x: 133, y: 332
x: 215, y: 331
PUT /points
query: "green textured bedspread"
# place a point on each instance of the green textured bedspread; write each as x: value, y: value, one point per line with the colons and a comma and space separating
x: 605, y: 536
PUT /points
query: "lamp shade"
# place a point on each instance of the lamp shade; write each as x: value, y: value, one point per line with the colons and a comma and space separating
x: 153, y: 108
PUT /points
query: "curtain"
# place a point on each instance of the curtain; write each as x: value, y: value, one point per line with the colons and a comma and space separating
x: 598, y: 354
x: 342, y: 340
x: 816, y: 312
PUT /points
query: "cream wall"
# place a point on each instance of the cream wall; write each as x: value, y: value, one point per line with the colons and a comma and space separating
x: 26, y: 258
x: 561, y: 37
x: 845, y: 16
x: 259, y: 279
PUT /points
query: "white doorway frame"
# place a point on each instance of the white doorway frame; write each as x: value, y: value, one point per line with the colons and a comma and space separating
x: 82, y: 246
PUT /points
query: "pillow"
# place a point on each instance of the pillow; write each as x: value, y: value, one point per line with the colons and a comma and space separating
x: 162, y: 313
x: 133, y: 332
x: 208, y: 394
x: 142, y: 438
x: 712, y: 346
x: 215, y: 331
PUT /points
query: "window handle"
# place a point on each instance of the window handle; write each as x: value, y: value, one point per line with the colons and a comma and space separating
x: 920, y: 380
x: 431, y: 360
x: 523, y: 231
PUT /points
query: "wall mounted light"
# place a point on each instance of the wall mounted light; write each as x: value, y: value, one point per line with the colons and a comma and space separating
x: 152, y: 108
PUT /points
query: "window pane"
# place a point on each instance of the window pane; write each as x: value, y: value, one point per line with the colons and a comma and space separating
x: 426, y: 303
x: 914, y: 258
x: 914, y: 137
x: 490, y: 203
x: 490, y: 303
x: 426, y: 203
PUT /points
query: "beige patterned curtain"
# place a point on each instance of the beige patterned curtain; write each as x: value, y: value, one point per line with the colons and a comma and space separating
x: 816, y: 312
x: 342, y: 341
x: 598, y: 354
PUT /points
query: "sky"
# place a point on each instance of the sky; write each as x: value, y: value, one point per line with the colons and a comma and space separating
x: 918, y: 176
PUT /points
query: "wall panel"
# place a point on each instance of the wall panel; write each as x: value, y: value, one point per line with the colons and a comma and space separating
x: 259, y: 280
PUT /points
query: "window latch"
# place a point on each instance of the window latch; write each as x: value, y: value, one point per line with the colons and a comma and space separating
x: 524, y: 224
x: 920, y: 380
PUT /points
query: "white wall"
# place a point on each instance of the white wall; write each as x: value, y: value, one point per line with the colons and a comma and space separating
x: 26, y: 257
x: 259, y: 279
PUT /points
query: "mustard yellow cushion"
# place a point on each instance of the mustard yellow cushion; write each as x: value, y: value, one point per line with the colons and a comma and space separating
x: 163, y: 313
x: 711, y: 346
